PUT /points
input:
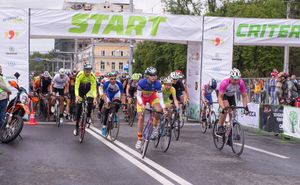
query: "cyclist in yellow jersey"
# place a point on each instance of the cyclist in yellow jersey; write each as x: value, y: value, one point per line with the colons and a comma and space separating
x: 85, y: 85
x: 168, y: 90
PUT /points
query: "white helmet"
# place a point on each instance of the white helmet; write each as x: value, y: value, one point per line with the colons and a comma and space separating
x: 62, y: 71
x: 235, y: 74
x: 46, y: 74
x: 174, y: 76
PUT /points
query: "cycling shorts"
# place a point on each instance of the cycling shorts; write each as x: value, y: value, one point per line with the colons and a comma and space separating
x: 152, y: 100
x: 209, y: 98
x: 60, y: 91
x: 111, y: 96
x: 230, y: 99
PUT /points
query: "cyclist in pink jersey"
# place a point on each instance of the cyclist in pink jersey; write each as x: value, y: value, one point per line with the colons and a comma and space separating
x: 228, y: 88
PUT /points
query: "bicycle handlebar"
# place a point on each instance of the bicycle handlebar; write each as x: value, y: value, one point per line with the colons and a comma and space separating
x: 152, y: 110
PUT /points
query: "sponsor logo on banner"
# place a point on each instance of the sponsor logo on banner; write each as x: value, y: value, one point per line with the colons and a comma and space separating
x: 11, y: 63
x: 217, y: 41
x: 13, y: 19
x: 217, y: 57
x: 293, y: 120
x: 219, y: 27
x: 11, y: 51
x: 268, y: 30
x: 11, y: 34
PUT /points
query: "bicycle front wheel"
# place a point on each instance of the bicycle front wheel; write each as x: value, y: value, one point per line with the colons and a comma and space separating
x: 57, y: 115
x: 219, y: 139
x: 82, y: 127
x: 176, y: 128
x: 114, y: 127
x: 237, y: 138
x: 165, y: 138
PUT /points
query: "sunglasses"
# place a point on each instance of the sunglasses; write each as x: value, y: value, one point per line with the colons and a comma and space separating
x: 152, y: 75
x: 112, y: 79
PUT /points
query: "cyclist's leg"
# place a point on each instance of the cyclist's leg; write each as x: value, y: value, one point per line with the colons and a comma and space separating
x: 61, y: 102
x: 231, y: 101
x: 109, y: 98
x: 156, y: 105
x: 90, y: 101
x: 140, y: 126
x: 78, y: 115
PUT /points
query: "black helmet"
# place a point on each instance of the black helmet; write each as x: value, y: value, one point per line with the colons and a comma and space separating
x: 151, y: 71
x: 213, y: 84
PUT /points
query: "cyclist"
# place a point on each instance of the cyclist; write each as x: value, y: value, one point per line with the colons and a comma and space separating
x: 228, y: 87
x: 132, y: 86
x: 207, y: 90
x: 45, y: 84
x: 149, y: 91
x: 85, y: 85
x: 168, y: 90
x: 71, y: 97
x: 112, y: 91
x: 179, y: 87
x: 125, y: 79
x: 59, y: 85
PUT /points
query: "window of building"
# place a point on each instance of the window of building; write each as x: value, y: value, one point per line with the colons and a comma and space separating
x: 113, y: 66
x: 107, y: 6
x: 121, y: 66
x: 113, y: 53
x: 104, y: 6
x: 102, y: 65
x: 121, y: 53
x: 102, y: 53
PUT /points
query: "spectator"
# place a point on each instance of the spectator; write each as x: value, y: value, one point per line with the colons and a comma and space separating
x: 272, y: 87
x: 257, y: 90
x: 4, y: 92
x: 278, y: 90
x: 264, y: 92
x: 293, y: 79
x: 289, y: 89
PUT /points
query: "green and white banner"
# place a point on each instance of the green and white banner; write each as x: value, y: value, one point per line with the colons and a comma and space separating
x: 83, y: 24
x: 272, y: 32
x: 291, y: 121
x: 14, y: 49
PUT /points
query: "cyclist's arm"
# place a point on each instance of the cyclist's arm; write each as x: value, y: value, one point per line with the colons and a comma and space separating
x: 244, y: 93
x: 174, y: 98
x: 244, y: 99
x: 220, y: 100
x: 139, y: 97
x: 161, y: 99
x: 127, y: 89
x: 94, y: 87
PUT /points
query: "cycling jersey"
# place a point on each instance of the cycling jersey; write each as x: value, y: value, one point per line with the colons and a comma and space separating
x: 132, y: 87
x: 36, y: 82
x: 149, y: 93
x: 229, y: 89
x: 45, y: 84
x: 85, y: 85
x: 179, y: 87
x: 167, y: 93
x: 113, y: 91
x: 59, y: 82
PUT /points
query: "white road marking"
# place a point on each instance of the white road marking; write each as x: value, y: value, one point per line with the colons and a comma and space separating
x: 192, y: 124
x: 131, y: 159
x: 266, y: 152
x: 153, y: 164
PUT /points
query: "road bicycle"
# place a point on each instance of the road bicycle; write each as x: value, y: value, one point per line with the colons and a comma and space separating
x: 233, y: 135
x: 164, y: 133
x: 147, y: 132
x: 132, y: 112
x: 209, y: 119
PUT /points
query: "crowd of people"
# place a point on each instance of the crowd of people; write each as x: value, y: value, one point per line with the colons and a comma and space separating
x: 280, y: 88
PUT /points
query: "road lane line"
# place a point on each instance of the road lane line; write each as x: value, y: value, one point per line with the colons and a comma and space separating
x: 155, y: 165
x: 266, y: 152
x: 131, y: 159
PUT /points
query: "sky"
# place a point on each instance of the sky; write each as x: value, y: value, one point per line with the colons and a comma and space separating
x: 44, y: 45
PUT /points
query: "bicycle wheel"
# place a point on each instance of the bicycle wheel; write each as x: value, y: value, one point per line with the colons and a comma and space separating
x: 114, y: 127
x: 203, y: 126
x: 166, y: 136
x: 160, y: 132
x: 212, y: 119
x: 237, y: 138
x: 219, y: 140
x: 176, y: 128
x: 183, y: 117
x: 130, y: 115
x: 82, y: 127
x: 145, y: 147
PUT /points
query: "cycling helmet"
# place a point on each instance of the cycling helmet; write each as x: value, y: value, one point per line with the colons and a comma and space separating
x: 62, y: 71
x: 168, y: 80
x: 174, y: 76
x: 179, y: 74
x: 213, y: 84
x: 135, y: 76
x: 151, y: 71
x: 235, y: 74
x: 87, y: 66
x: 111, y: 74
x: 46, y: 74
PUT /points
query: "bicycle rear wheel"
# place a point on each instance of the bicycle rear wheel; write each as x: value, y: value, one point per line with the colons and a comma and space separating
x: 203, y: 126
x: 219, y: 140
x: 114, y: 127
x: 82, y: 127
x: 211, y: 120
x: 237, y: 138
x: 165, y: 138
x: 131, y: 115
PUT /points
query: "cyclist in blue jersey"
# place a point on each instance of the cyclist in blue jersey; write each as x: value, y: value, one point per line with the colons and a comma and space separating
x: 206, y: 98
x: 149, y: 91
x: 113, y: 91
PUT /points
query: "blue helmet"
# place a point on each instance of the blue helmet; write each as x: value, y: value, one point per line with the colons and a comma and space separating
x: 213, y: 84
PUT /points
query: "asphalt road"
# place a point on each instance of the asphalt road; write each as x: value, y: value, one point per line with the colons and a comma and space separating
x: 51, y: 155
